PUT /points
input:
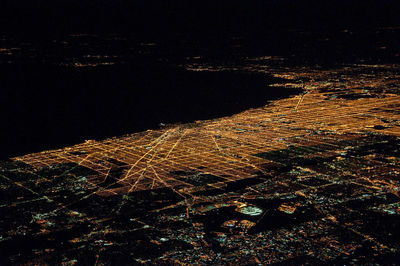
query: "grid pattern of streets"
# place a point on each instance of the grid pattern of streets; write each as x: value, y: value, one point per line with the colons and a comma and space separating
x: 226, y: 147
x: 314, y: 178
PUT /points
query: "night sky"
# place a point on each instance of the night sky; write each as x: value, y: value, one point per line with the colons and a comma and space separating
x: 166, y: 16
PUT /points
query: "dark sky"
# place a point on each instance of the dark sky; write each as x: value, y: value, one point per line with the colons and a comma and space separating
x: 161, y: 16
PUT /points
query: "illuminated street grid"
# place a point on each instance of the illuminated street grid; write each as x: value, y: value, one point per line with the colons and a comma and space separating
x: 226, y: 147
x: 313, y: 179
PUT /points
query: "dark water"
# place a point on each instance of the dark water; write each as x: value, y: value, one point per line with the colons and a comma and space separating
x: 61, y: 92
x: 76, y: 70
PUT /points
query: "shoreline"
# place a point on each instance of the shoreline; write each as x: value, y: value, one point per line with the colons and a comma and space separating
x: 294, y: 173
